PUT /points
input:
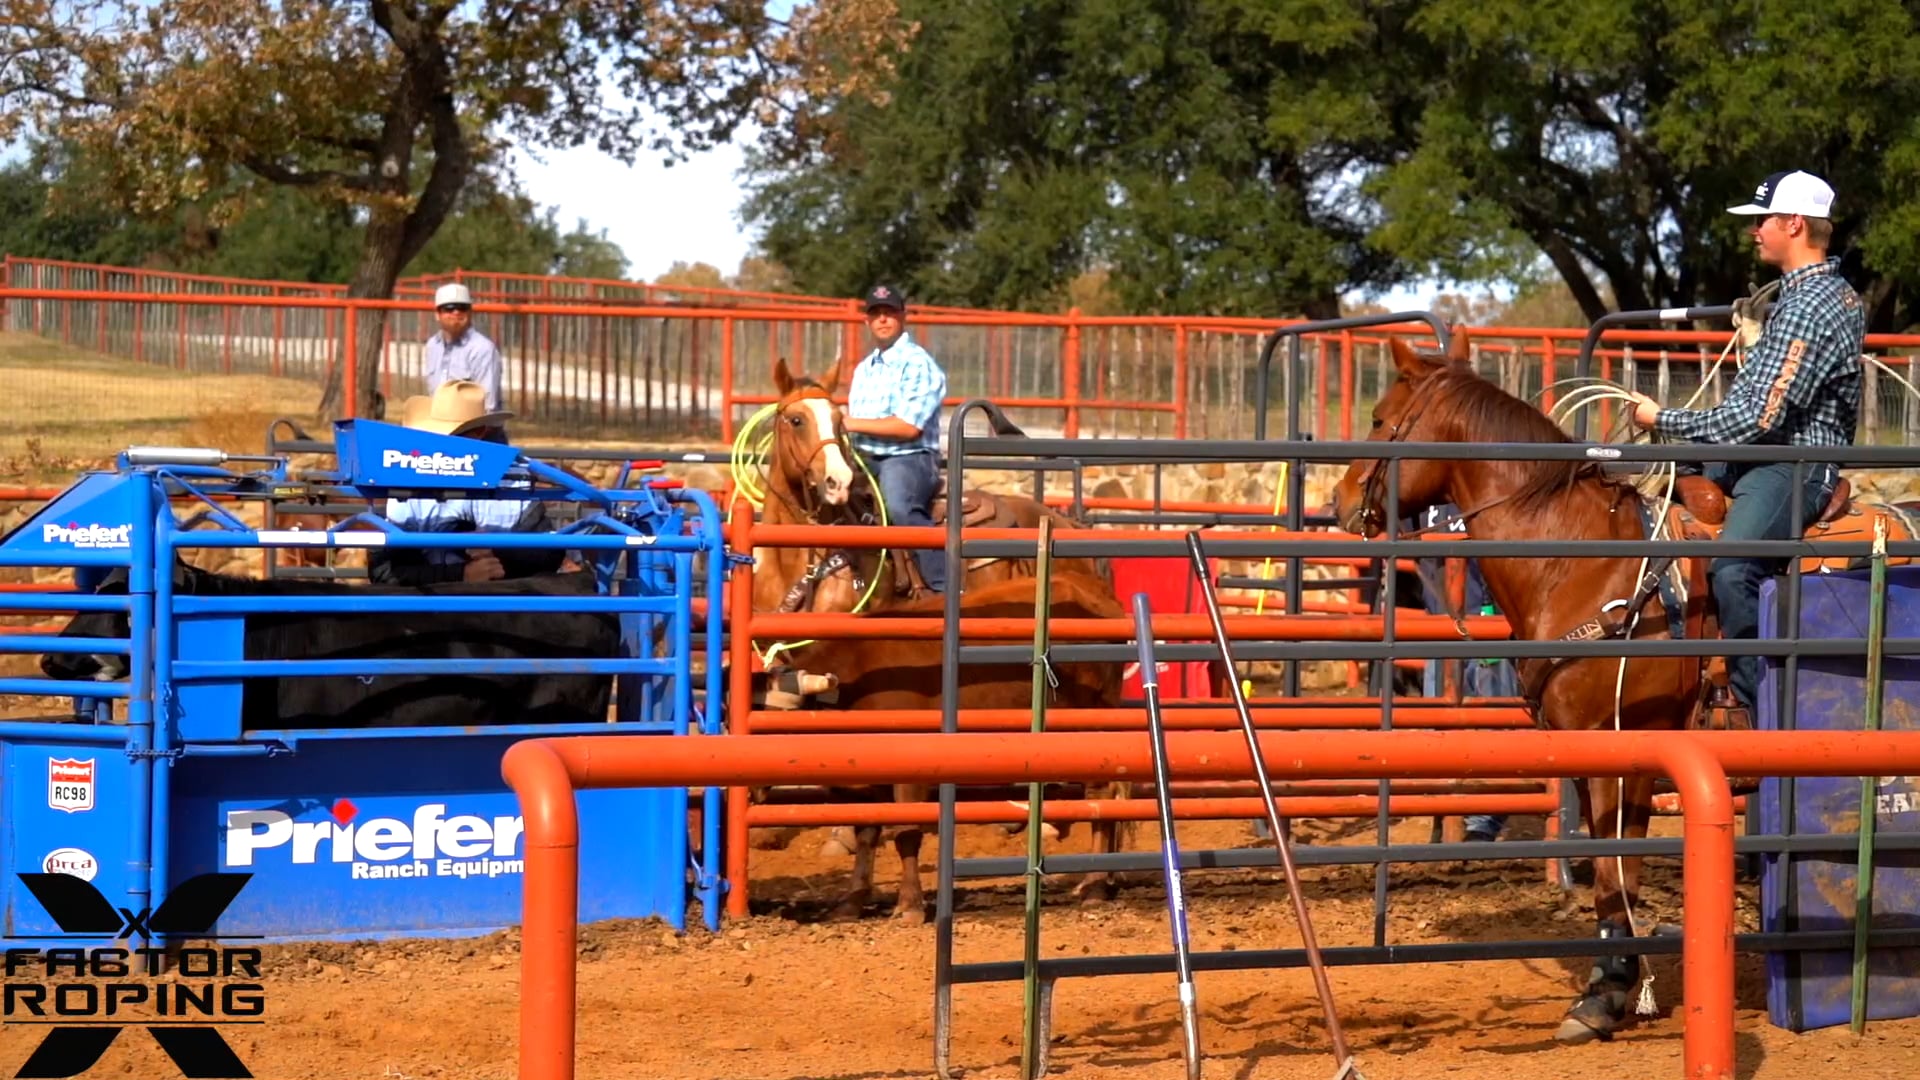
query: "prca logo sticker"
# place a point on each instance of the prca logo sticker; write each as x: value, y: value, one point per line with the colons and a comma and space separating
x: 72, y: 861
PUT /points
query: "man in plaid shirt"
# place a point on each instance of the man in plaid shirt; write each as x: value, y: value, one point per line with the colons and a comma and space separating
x: 1800, y: 386
x: 893, y: 420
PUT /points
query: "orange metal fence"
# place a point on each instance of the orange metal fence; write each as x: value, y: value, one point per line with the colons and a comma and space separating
x: 545, y: 774
x: 641, y: 359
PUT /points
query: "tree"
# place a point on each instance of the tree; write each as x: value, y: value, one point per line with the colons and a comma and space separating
x: 1182, y: 144
x: 1613, y: 135
x: 1266, y: 156
x: 760, y: 274
x: 588, y: 254
x: 692, y: 276
x: 391, y: 107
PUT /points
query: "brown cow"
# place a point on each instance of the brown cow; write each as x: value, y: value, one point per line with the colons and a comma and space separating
x: 906, y: 675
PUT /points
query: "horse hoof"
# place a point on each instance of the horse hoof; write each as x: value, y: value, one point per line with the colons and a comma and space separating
x: 837, y: 845
x: 911, y: 916
x: 847, y: 911
x: 1592, y: 1017
x: 1574, y: 1033
x: 1094, y: 892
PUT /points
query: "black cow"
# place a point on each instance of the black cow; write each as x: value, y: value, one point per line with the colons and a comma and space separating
x: 347, y: 701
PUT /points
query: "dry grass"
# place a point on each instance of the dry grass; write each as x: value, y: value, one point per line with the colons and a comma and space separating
x: 67, y: 408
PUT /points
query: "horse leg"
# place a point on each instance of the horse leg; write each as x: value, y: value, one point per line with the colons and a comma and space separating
x: 911, y: 908
x: 866, y: 838
x: 1602, y: 1007
x: 1107, y: 839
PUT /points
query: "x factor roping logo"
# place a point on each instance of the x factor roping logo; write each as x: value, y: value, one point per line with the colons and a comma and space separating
x: 81, y: 1028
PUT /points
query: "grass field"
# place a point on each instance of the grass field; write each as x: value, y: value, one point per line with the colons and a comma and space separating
x: 66, y: 409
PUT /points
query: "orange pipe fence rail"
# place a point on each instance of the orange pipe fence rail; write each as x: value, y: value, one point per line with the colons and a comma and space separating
x: 1286, y: 717
x: 580, y: 350
x: 745, y: 626
x: 545, y: 774
x: 1191, y: 808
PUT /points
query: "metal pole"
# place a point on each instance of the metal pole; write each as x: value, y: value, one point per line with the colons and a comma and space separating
x: 1030, y: 1045
x: 1281, y: 841
x: 1869, y: 785
x: 1169, y: 840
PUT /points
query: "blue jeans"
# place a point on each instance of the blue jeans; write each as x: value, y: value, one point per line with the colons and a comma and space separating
x: 907, y: 483
x: 1761, y: 510
x: 1479, y: 679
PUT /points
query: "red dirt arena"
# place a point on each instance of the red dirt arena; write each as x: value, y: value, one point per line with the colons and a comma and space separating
x: 782, y: 996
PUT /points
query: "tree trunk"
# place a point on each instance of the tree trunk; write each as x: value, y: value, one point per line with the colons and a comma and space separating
x: 373, y: 278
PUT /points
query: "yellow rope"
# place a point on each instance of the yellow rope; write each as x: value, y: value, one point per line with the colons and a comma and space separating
x: 1266, y: 568
x: 749, y: 467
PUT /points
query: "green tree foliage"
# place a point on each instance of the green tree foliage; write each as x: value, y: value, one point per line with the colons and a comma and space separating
x: 1266, y: 156
x: 285, y: 234
x: 391, y: 107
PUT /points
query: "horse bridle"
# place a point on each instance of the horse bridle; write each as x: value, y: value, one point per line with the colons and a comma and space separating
x: 833, y: 561
x: 1373, y: 512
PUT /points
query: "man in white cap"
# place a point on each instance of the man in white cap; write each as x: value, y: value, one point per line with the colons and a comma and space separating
x: 459, y: 408
x: 459, y: 351
x: 1800, y: 386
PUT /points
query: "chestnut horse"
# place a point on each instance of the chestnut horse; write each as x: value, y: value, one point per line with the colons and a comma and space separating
x: 1441, y: 399
x: 876, y: 674
x: 814, y: 478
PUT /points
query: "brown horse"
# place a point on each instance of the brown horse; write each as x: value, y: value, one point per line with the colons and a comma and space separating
x: 814, y: 478
x: 1439, y: 399
x: 907, y: 674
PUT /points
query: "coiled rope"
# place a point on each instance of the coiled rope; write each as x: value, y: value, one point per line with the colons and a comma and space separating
x: 752, y: 448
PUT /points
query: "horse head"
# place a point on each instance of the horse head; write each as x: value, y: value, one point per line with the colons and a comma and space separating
x: 1403, y: 414
x: 810, y: 452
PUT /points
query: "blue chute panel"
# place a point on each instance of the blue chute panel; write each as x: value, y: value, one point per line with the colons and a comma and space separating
x: 1812, y: 892
x: 352, y: 839
x: 67, y: 807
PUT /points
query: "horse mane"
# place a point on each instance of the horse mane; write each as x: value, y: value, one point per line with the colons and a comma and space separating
x: 1486, y: 413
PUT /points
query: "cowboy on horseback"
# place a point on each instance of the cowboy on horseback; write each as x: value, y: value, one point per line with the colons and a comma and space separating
x: 893, y: 420
x: 1800, y: 386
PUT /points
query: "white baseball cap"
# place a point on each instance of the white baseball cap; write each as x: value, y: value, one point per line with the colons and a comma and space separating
x: 1790, y: 193
x: 455, y: 293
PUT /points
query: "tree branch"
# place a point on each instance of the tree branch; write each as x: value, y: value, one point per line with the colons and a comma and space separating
x: 280, y: 174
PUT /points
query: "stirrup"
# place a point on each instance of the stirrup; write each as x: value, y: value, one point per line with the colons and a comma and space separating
x: 1724, y: 712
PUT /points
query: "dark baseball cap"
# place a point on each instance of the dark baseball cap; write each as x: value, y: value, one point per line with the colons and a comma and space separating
x: 886, y: 296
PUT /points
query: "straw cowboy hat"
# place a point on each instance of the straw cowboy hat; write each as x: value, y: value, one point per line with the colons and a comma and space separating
x: 456, y: 406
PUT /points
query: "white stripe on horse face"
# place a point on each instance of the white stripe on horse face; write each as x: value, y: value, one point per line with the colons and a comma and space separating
x: 839, y: 473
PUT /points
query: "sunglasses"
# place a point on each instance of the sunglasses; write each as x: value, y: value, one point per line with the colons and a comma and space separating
x: 454, y: 307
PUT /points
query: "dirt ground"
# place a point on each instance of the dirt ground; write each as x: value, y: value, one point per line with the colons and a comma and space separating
x: 781, y: 996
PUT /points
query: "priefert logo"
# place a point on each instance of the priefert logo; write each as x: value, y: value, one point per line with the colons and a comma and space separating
x: 87, y: 536
x: 434, y: 464
x: 382, y: 848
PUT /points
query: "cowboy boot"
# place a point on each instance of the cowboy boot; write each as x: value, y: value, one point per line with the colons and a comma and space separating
x: 907, y: 581
x: 1724, y: 712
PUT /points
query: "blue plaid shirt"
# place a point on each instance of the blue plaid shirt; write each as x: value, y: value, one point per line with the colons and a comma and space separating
x: 1801, y: 384
x: 473, y: 357
x: 902, y: 380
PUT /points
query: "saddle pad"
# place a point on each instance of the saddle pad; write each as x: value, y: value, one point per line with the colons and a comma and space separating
x: 1807, y: 990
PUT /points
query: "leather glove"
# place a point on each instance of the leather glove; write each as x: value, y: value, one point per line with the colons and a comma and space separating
x: 1750, y: 316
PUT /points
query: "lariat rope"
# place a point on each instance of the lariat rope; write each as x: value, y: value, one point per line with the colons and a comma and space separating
x: 748, y: 467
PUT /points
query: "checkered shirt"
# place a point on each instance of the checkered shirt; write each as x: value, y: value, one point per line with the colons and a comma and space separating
x: 1801, y: 384
x: 902, y: 380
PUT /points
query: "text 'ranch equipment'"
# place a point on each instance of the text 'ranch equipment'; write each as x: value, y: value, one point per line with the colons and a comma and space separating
x: 220, y: 724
